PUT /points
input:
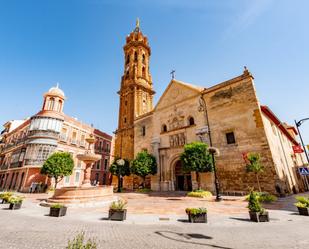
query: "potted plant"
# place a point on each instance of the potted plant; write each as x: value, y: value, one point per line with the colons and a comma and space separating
x: 197, y: 215
x: 15, y: 202
x: 303, y: 205
x: 117, y: 210
x: 256, y: 212
x: 5, y: 196
x: 57, y: 210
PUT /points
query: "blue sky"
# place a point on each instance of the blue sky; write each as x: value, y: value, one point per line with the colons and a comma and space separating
x: 78, y: 43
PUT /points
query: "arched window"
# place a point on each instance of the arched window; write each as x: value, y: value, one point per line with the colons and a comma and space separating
x: 144, y: 58
x: 59, y: 105
x: 164, y: 128
x: 128, y: 59
x: 191, y: 121
x: 51, y: 103
x: 135, y: 56
x: 143, y: 72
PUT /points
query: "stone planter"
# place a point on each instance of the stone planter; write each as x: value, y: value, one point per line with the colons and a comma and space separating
x: 303, y: 211
x: 57, y: 212
x: 259, y: 217
x: 119, y: 215
x: 14, y: 206
x: 199, y: 218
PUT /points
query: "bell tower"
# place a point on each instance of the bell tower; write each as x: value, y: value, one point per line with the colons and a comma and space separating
x: 136, y: 92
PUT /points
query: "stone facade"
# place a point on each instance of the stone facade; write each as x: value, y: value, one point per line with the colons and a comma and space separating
x: 238, y: 124
x: 26, y: 144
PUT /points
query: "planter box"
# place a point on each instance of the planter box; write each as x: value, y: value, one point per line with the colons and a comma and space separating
x: 117, y: 214
x: 200, y: 218
x: 259, y: 217
x: 14, y: 206
x: 57, y: 212
x: 303, y: 211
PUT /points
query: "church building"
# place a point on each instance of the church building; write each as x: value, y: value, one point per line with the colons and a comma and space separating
x: 226, y: 115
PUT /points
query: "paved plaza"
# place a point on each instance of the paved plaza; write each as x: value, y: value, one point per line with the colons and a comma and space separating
x: 156, y: 221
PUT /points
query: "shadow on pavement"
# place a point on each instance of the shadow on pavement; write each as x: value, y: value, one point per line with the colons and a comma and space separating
x: 186, y: 237
x: 240, y: 219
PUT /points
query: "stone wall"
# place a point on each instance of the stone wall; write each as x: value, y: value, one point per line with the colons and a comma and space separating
x: 233, y: 107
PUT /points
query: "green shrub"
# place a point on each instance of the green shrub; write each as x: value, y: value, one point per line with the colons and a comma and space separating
x: 79, y: 243
x: 15, y: 199
x: 118, y: 205
x: 302, y: 201
x: 143, y: 190
x: 264, y: 197
x: 200, y: 193
x: 254, y: 204
x: 57, y: 205
x: 6, y: 196
x: 196, y: 211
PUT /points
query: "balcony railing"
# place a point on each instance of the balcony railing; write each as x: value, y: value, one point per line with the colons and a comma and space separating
x: 73, y: 141
x: 34, y: 162
x: 82, y: 144
x: 16, y: 165
x: 63, y: 137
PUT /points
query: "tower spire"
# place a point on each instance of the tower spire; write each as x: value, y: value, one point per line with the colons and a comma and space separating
x: 137, y: 25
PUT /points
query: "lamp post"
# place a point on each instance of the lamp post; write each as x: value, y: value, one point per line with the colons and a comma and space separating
x: 120, y: 162
x: 212, y: 150
x: 298, y: 124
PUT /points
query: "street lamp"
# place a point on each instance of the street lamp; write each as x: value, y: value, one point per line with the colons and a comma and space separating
x: 298, y: 124
x: 120, y: 162
x: 203, y: 108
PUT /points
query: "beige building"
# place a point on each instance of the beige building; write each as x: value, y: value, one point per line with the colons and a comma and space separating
x: 228, y: 113
x: 26, y: 144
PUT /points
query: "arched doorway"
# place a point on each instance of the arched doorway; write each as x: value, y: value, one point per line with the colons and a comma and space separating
x: 183, y: 179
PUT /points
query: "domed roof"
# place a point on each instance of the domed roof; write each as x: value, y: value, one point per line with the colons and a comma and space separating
x: 56, y: 91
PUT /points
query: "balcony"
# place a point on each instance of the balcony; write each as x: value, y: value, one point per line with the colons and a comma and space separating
x: 33, y: 162
x: 16, y: 165
x: 82, y: 144
x: 63, y: 138
x: 36, y: 133
x: 74, y: 141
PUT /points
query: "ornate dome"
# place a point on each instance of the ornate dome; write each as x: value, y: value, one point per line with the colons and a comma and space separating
x: 56, y: 91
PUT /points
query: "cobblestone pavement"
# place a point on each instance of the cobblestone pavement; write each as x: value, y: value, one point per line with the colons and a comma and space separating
x: 31, y: 227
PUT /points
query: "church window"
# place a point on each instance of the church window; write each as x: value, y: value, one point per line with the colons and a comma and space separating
x: 126, y: 103
x: 230, y: 138
x: 191, y: 121
x: 135, y: 56
x: 144, y: 72
x: 143, y: 130
x: 125, y: 120
x: 164, y: 128
x: 128, y: 59
x: 144, y: 58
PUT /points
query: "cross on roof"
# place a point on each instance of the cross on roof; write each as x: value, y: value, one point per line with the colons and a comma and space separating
x: 173, y: 74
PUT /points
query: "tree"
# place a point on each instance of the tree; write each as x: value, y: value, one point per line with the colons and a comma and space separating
x: 120, y: 167
x: 254, y: 165
x: 58, y: 165
x: 144, y: 164
x: 196, y: 157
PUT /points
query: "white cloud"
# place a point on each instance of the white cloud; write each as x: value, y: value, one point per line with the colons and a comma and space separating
x: 252, y: 12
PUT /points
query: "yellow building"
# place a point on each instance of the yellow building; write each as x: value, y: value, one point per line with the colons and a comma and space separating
x: 227, y: 115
